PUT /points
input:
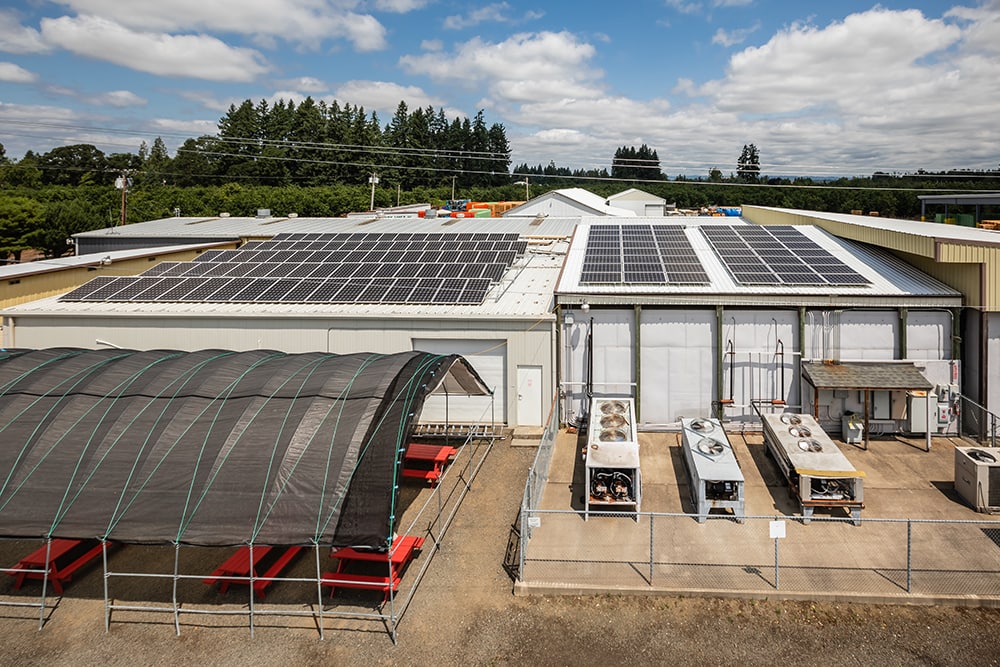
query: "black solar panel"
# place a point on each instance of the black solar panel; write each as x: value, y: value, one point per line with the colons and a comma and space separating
x: 640, y: 254
x: 340, y: 268
x: 779, y: 255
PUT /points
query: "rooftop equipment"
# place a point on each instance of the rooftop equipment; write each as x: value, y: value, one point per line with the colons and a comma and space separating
x: 818, y: 473
x: 716, y: 477
x: 612, y: 460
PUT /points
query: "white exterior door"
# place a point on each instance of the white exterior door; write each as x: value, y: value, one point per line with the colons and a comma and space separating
x: 529, y: 395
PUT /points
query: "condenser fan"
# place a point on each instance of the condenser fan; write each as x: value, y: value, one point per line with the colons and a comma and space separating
x: 710, y: 447
x: 702, y: 425
x: 799, y: 431
x: 810, y: 445
x: 794, y: 420
x: 612, y: 407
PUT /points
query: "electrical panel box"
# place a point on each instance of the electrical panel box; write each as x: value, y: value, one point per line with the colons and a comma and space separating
x: 943, y: 413
x: 880, y: 405
x: 916, y: 411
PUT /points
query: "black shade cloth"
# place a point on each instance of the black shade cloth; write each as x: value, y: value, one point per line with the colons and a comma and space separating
x: 211, y: 447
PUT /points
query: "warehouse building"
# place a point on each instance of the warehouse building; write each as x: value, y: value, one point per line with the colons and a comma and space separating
x: 660, y: 308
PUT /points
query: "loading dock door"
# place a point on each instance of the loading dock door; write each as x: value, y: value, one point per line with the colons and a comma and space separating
x: 489, y: 358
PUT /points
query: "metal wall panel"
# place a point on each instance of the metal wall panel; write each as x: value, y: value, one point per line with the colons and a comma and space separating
x: 677, y: 367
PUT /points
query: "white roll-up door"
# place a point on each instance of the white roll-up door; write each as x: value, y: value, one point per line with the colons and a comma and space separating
x: 489, y: 358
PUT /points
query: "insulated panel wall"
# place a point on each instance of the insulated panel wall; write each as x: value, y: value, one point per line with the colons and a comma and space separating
x: 928, y: 335
x: 613, y: 358
x: 677, y: 368
x: 763, y: 364
x: 992, y: 364
x: 852, y: 335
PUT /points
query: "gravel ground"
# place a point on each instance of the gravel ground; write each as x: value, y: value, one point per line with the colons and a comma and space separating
x: 465, y: 613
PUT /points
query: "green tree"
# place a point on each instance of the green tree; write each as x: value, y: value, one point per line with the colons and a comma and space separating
x: 634, y: 163
x: 748, y: 168
x: 72, y: 165
x: 62, y: 220
x: 19, y: 217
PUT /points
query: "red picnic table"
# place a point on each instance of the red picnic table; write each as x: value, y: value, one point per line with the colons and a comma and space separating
x: 60, y: 560
x: 397, y: 558
x: 426, y: 461
x: 236, y: 569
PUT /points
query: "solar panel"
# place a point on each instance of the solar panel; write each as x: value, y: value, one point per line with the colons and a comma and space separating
x: 776, y: 255
x: 639, y: 254
x: 340, y: 268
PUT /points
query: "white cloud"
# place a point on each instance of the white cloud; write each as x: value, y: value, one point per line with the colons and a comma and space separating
x: 729, y: 38
x: 195, y: 56
x: 495, y: 13
x: 400, y: 6
x: 307, y: 22
x: 207, y: 100
x: 545, y: 60
x: 683, y: 6
x: 11, y: 73
x: 431, y: 45
x: 305, y: 84
x: 117, y: 98
x: 384, y: 97
x: 731, y: 3
x: 16, y: 38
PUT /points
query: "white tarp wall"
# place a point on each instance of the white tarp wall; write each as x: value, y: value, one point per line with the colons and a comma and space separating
x: 613, y: 363
x: 992, y: 365
x: 763, y: 363
x: 677, y: 365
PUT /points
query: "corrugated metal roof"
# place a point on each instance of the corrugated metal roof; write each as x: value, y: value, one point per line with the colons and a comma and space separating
x: 524, y: 293
x: 932, y: 230
x: 582, y: 200
x: 864, y: 375
x: 887, y: 275
x: 11, y: 271
x: 248, y: 227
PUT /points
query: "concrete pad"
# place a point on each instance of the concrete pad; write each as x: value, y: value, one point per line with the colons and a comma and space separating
x: 900, y: 553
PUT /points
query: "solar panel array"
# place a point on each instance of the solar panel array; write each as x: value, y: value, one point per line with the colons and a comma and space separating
x: 640, y: 254
x: 779, y: 255
x: 325, y: 268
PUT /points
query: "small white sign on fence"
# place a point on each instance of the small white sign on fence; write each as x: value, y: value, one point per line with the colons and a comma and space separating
x: 777, y: 529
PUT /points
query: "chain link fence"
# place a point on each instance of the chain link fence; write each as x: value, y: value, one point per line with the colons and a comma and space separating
x: 880, y: 559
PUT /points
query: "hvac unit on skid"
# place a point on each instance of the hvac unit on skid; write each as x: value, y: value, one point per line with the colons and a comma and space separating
x: 715, y: 474
x: 977, y: 477
x: 612, y: 459
x: 818, y: 473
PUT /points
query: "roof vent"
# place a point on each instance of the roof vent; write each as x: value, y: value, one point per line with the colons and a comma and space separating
x: 293, y: 215
x: 223, y: 215
x: 263, y: 213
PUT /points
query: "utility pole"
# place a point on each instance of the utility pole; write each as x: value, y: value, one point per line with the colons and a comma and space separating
x: 122, y: 183
x: 453, y: 186
x: 373, y: 179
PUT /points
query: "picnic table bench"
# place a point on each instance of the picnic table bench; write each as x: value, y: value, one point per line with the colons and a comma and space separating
x: 65, y: 556
x: 237, y: 568
x: 396, y: 558
x: 426, y: 461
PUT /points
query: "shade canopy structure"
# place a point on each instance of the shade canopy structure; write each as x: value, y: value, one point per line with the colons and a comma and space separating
x: 212, y: 447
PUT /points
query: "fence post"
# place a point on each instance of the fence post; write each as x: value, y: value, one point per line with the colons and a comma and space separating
x: 909, y: 556
x: 651, y: 519
x: 776, y: 585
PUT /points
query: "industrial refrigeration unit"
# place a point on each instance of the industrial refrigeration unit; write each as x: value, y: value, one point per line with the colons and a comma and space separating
x: 612, y: 458
x: 818, y: 473
x: 715, y: 476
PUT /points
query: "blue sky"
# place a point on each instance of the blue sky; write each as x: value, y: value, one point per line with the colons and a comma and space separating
x: 822, y: 88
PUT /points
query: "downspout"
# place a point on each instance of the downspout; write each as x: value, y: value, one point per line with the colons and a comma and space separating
x: 904, y: 315
x: 558, y: 360
x: 801, y: 357
x: 720, y: 357
x: 637, y: 364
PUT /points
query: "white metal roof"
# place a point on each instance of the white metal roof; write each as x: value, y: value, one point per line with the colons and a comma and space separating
x: 525, y: 292
x: 11, y: 271
x: 250, y: 227
x: 932, y: 230
x: 887, y: 275
x: 580, y: 201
